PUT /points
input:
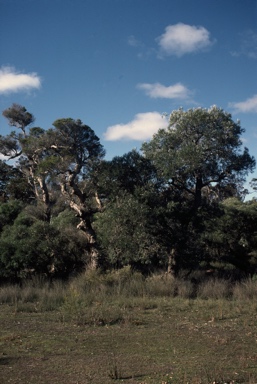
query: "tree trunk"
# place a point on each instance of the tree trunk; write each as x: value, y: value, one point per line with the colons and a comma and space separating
x: 171, y: 270
x: 45, y: 196
x: 77, y: 201
x: 86, y: 227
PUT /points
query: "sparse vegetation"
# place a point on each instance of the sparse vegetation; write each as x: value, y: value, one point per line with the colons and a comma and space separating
x: 122, y: 327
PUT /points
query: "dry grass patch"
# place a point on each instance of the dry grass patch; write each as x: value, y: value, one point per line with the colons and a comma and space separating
x: 94, y: 332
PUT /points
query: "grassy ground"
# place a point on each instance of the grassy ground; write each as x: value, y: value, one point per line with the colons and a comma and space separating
x: 120, y: 329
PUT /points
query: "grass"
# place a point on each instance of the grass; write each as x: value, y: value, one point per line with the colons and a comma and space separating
x: 121, y: 328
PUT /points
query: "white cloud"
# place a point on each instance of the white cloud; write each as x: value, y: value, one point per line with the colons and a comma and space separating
x: 157, y: 90
x: 142, y: 127
x: 13, y: 81
x: 249, y: 105
x: 179, y: 39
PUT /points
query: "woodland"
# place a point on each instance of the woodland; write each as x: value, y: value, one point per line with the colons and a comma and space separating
x: 178, y: 204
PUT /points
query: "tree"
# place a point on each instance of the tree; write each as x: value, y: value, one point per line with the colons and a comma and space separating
x: 62, y: 158
x: 9, y: 211
x: 33, y: 246
x: 79, y: 153
x: 199, y: 157
x: 128, y: 228
x: 127, y: 231
x: 18, y: 117
x: 199, y: 152
x: 231, y: 239
x: 13, y: 185
x: 129, y: 173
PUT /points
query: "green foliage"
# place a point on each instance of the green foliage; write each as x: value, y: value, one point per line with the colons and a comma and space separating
x: 232, y: 238
x: 200, y: 148
x: 200, y: 159
x: 32, y: 246
x: 129, y: 173
x: 63, y: 207
x: 125, y: 232
x: 9, y: 211
x: 77, y: 140
x: 14, y: 184
x: 18, y: 116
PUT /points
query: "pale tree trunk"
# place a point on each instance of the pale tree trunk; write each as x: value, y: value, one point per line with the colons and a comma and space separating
x: 45, y: 196
x: 89, y: 233
x: 171, y: 270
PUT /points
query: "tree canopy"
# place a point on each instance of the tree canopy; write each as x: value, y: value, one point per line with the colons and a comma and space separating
x: 200, y: 149
x: 177, y: 205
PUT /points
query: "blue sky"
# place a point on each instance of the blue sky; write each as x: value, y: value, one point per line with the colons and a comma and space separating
x: 118, y: 65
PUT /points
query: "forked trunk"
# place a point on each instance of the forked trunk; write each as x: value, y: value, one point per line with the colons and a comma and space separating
x: 85, y: 226
x: 93, y: 253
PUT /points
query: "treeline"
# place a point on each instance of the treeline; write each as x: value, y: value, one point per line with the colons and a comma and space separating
x: 178, y: 204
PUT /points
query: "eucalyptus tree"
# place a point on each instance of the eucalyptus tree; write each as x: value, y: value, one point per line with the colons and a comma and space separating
x: 76, y: 153
x: 60, y: 158
x: 28, y: 149
x: 200, y: 156
x: 18, y: 117
x: 201, y: 149
x: 128, y: 229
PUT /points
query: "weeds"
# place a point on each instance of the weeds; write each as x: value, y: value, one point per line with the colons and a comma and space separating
x: 246, y: 290
x: 214, y: 289
x: 123, y: 288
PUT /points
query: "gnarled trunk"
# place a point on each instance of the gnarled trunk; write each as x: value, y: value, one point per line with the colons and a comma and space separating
x: 85, y: 225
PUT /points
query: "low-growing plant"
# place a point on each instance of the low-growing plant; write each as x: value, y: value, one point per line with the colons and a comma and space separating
x: 214, y: 289
x: 185, y: 289
x: 160, y: 285
x: 114, y: 369
x: 10, y: 294
x: 245, y: 290
x: 166, y: 334
x: 52, y: 298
